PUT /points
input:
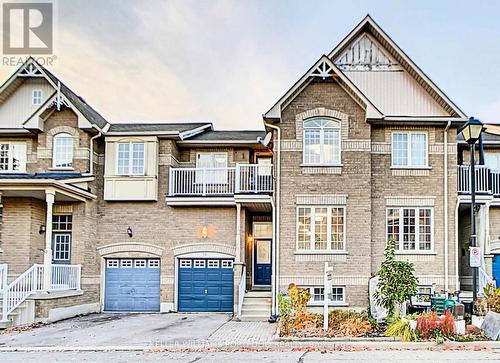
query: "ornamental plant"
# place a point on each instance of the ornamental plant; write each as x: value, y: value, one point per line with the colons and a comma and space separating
x: 397, y: 282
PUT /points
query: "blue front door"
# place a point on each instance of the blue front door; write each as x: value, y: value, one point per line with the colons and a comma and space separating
x: 206, y: 284
x: 262, y: 262
x: 496, y: 269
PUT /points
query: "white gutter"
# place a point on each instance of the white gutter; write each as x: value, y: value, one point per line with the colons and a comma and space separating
x: 276, y: 216
x: 445, y: 182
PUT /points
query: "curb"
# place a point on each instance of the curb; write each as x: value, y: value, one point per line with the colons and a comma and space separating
x: 268, y: 346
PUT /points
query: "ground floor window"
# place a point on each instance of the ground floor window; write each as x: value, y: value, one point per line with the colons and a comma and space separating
x: 318, y: 295
x: 410, y: 228
x: 61, y: 238
x: 321, y: 228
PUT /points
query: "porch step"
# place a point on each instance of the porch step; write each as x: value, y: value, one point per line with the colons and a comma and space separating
x: 256, y: 306
x: 24, y: 314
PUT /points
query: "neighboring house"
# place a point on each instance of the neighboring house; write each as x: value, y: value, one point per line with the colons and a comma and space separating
x: 181, y: 217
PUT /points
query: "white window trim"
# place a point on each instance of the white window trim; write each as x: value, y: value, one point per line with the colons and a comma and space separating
x: 408, y: 165
x: 11, y: 158
x: 328, y: 230
x: 130, y: 159
x: 321, y: 141
x: 417, y: 251
x: 54, y: 159
x: 33, y: 97
x: 313, y: 302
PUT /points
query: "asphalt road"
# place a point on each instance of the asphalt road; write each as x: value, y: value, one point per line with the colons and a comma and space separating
x: 262, y: 357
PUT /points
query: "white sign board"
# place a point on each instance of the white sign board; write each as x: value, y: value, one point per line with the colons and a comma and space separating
x: 475, y: 256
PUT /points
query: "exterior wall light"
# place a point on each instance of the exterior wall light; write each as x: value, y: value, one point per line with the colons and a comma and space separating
x: 130, y: 232
x: 42, y: 229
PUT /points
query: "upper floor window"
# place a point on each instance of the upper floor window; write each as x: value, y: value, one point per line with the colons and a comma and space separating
x: 213, y: 168
x: 409, y: 149
x: 492, y: 160
x: 130, y: 158
x: 12, y: 157
x: 410, y: 228
x: 321, y: 228
x: 37, y: 97
x: 322, y: 141
x: 63, y: 151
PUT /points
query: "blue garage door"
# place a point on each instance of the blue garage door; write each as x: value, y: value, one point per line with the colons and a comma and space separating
x: 205, y: 285
x: 496, y: 269
x: 132, y: 285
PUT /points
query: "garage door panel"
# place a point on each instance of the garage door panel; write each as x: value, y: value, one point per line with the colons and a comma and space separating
x: 134, y: 287
x: 209, y: 286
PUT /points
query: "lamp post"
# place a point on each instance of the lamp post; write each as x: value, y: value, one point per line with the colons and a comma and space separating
x: 471, y: 132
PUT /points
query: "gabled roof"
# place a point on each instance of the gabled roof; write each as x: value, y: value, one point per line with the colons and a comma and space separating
x: 323, y: 68
x: 369, y: 26
x: 31, y: 68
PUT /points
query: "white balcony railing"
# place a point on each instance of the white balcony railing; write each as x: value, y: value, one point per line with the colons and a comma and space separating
x: 487, y: 180
x: 243, y: 178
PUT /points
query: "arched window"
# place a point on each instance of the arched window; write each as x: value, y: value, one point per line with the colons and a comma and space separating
x: 321, y: 141
x: 63, y: 151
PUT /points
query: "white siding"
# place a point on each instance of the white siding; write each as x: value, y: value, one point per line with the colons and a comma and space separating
x: 395, y: 93
x: 18, y: 107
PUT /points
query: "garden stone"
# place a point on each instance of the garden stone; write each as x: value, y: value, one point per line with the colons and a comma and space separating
x: 491, y: 325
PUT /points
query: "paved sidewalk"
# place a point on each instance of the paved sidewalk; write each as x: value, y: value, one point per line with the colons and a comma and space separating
x: 243, y: 333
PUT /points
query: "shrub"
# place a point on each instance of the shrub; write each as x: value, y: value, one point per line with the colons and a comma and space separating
x: 397, y: 282
x: 447, y: 324
x: 348, y: 323
x: 300, y: 297
x: 427, y: 324
x: 401, y: 329
x: 492, y: 297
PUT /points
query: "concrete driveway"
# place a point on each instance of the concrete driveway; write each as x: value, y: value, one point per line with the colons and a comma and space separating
x: 119, y: 330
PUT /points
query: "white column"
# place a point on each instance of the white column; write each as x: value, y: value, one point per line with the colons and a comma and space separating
x: 238, y: 233
x: 47, y: 255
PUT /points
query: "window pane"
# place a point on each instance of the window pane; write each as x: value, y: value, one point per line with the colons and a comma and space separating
x: 63, y: 151
x: 4, y: 156
x: 399, y: 149
x: 319, y: 294
x: 337, y: 294
x: 425, y: 234
x: 304, y: 228
x: 138, y: 158
x: 62, y: 243
x: 418, y: 149
x: 18, y: 157
x: 320, y: 229
x: 331, y: 148
x: 337, y: 228
x: 123, y: 158
x: 393, y: 226
x: 409, y: 229
x: 312, y: 146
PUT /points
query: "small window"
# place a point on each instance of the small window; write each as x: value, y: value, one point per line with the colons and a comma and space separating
x: 199, y: 263
x: 318, y: 294
x: 130, y: 158
x: 126, y: 263
x: 337, y: 294
x: 409, y: 149
x: 112, y: 263
x: 37, y: 97
x: 153, y: 263
x: 63, y: 151
x: 185, y: 263
x: 227, y: 264
x: 61, y: 238
x: 262, y: 230
x: 12, y: 157
x: 140, y: 263
x: 213, y: 263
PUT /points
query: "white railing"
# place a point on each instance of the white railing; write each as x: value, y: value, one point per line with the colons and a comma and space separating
x: 3, y: 276
x: 244, y: 178
x: 254, y: 178
x: 63, y: 277
x: 241, y: 291
x: 18, y: 290
x: 487, y: 181
x: 484, y: 280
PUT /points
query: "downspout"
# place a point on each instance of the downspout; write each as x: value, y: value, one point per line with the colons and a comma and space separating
x: 457, y: 272
x: 276, y: 225
x: 445, y: 181
x: 91, y: 151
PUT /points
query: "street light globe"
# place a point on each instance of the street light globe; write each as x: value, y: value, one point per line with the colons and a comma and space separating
x: 472, y: 130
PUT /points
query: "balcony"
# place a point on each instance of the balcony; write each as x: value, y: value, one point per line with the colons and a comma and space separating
x: 241, y: 179
x: 487, y: 180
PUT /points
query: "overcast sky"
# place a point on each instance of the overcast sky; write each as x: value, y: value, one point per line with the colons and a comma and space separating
x: 229, y: 61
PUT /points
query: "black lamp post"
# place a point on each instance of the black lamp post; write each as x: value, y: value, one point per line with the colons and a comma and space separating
x: 471, y: 132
